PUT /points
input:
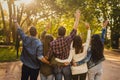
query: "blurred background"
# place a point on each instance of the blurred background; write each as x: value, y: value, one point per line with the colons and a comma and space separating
x: 60, y: 13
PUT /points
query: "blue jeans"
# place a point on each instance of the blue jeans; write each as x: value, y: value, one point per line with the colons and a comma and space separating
x: 63, y: 71
x: 50, y: 77
x: 95, y: 72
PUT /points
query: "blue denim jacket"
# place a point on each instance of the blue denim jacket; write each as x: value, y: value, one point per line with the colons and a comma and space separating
x: 32, y: 50
x: 87, y: 58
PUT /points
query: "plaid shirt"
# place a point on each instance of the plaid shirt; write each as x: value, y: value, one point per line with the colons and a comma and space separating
x: 60, y: 47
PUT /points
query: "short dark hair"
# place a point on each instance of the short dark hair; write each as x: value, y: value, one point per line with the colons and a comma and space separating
x: 33, y: 31
x: 61, y: 31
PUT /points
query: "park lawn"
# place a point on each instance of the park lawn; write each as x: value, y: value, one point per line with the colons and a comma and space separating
x: 8, y: 54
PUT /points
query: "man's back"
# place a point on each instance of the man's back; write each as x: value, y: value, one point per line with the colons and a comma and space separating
x: 31, y: 54
x: 61, y: 46
x: 32, y: 48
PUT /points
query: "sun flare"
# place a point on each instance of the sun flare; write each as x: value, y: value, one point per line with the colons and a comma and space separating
x: 24, y: 2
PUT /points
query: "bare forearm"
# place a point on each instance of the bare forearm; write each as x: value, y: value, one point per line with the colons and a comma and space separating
x: 45, y: 60
x: 76, y: 23
x: 15, y: 22
x: 77, y: 17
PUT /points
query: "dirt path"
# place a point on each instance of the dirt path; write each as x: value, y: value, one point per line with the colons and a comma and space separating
x: 111, y: 68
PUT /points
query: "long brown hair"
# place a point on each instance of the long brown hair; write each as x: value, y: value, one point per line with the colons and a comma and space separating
x: 77, y: 44
x: 46, y: 45
x: 96, y: 47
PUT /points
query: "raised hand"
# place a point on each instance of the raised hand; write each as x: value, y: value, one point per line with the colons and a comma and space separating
x: 87, y: 25
x: 77, y: 14
x: 77, y: 17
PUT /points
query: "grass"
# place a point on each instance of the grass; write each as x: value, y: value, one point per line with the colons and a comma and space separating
x: 7, y: 54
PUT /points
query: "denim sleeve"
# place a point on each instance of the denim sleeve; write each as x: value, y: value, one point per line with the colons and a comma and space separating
x: 103, y: 34
x: 40, y: 51
x: 85, y: 60
x: 21, y: 33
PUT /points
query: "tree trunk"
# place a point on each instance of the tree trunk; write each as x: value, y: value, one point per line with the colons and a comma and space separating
x: 13, y: 26
x: 3, y: 20
x: 10, y: 21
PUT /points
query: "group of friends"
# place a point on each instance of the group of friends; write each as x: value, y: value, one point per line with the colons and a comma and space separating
x: 64, y: 57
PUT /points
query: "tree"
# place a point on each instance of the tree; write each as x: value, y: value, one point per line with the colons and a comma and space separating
x: 60, y: 12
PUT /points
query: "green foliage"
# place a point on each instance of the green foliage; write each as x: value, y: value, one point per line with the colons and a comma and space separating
x: 7, y: 54
x: 61, y: 13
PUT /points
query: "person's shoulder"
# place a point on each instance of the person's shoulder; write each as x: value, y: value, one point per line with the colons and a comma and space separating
x: 38, y: 42
x: 54, y: 42
x: 27, y: 39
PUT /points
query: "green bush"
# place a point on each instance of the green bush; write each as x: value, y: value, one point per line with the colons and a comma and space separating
x: 7, y: 54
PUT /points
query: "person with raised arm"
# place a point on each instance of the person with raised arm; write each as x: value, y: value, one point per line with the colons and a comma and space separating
x: 77, y: 53
x: 97, y: 56
x: 87, y: 58
x: 32, y: 53
x: 60, y: 48
x: 46, y: 71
